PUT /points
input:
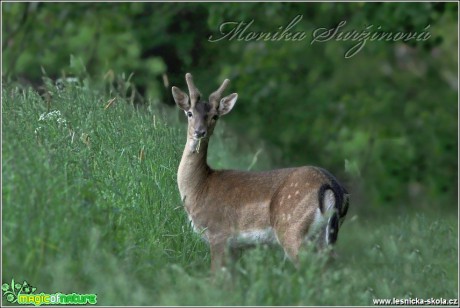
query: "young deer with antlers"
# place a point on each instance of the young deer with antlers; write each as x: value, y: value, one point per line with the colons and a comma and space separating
x: 233, y: 209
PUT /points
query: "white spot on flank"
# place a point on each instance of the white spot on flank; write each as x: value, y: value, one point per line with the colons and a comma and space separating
x: 296, y: 184
x: 289, y: 197
x: 297, y: 192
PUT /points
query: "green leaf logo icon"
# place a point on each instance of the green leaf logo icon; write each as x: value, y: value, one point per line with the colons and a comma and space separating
x: 13, y: 290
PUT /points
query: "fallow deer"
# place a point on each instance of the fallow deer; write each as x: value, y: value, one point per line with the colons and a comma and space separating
x: 231, y: 209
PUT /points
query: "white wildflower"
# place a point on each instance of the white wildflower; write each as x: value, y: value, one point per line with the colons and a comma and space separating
x: 37, y: 130
x: 55, y: 114
x: 52, y: 116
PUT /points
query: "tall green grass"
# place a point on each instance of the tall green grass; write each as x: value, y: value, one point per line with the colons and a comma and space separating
x: 90, y: 205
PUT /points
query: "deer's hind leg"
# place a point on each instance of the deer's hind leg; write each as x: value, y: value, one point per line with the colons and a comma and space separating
x: 292, y: 228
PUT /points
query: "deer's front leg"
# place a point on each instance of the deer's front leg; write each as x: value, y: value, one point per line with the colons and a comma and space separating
x: 218, y: 254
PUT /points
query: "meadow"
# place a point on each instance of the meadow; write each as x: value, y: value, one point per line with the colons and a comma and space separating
x: 90, y: 205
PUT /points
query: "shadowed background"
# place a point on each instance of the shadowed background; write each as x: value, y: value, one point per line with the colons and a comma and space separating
x: 388, y: 114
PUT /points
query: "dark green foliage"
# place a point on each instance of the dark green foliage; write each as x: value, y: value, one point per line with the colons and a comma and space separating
x: 383, y: 120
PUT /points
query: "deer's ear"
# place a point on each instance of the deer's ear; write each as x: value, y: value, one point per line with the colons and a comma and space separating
x: 226, y: 104
x: 181, y: 98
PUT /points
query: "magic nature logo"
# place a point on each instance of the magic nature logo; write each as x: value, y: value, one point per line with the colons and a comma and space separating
x: 24, y: 294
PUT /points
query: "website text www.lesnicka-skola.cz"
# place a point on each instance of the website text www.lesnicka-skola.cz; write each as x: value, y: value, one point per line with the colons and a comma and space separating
x: 415, y: 301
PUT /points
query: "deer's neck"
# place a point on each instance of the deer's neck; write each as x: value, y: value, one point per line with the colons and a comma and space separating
x: 193, y: 169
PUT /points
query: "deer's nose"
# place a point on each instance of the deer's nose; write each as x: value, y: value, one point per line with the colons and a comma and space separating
x: 199, y: 133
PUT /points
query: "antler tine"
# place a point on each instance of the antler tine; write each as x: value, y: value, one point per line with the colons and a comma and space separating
x: 215, y: 96
x: 192, y: 89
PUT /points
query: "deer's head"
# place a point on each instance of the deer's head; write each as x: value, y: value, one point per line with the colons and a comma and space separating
x: 202, y: 115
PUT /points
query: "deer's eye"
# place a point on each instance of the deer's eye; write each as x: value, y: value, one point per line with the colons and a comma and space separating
x: 215, y: 117
x: 189, y: 114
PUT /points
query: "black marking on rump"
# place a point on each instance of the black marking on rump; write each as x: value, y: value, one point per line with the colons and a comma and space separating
x: 333, y: 222
x: 339, y: 192
x: 341, y: 204
x: 333, y: 229
x: 345, y: 208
